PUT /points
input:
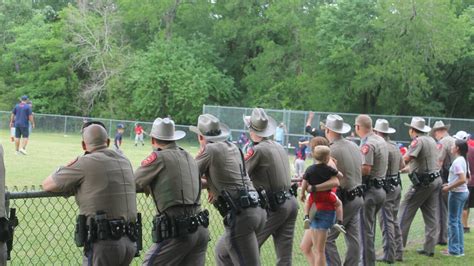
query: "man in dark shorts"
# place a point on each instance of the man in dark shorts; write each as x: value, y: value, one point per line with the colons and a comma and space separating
x: 20, y: 118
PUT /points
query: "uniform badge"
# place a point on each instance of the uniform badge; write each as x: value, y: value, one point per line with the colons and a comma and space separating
x: 365, y: 149
x: 249, y: 154
x: 151, y: 158
x: 72, y: 162
x: 414, y: 143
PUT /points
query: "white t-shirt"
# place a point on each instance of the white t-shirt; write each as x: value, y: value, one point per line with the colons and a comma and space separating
x: 458, y: 167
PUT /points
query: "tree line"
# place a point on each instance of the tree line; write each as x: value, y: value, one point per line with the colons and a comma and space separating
x: 128, y: 59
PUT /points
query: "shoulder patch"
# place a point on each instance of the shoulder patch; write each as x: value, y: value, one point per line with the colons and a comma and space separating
x: 151, y: 158
x: 365, y: 149
x: 72, y: 162
x: 414, y: 143
x: 250, y: 153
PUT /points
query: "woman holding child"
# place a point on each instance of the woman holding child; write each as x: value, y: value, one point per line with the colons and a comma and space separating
x: 329, y: 207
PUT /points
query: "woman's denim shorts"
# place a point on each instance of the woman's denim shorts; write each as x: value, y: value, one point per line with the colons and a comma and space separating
x: 323, y: 220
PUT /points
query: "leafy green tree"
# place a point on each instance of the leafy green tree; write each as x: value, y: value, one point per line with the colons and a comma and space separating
x: 40, y: 67
x: 173, y: 78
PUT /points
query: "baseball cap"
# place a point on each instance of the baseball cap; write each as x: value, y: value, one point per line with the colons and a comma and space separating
x: 119, y: 126
x: 462, y: 135
x: 24, y: 98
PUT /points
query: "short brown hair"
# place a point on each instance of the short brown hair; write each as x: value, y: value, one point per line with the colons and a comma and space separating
x: 321, y: 153
x: 317, y: 141
x: 364, y: 121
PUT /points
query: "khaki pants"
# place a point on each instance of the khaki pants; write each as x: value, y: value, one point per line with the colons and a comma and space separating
x: 373, y: 201
x: 111, y: 252
x: 352, y: 224
x: 281, y: 226
x: 187, y: 250
x: 392, y: 236
x: 238, y: 245
x: 426, y: 199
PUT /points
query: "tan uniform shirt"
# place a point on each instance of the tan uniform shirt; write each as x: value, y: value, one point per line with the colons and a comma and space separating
x: 173, y: 176
x: 425, y: 153
x: 221, y: 163
x: 2, y: 184
x: 395, y: 159
x: 445, y: 156
x: 268, y: 166
x: 374, y: 153
x: 349, y: 162
x: 101, y: 181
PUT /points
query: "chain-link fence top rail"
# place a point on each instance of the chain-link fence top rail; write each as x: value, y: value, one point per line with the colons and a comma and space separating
x: 45, y: 232
x: 71, y: 125
x: 295, y: 121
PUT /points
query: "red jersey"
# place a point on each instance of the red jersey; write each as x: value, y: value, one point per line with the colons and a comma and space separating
x: 325, y: 200
x: 138, y: 130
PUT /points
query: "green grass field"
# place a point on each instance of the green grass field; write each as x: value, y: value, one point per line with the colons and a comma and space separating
x: 44, y: 236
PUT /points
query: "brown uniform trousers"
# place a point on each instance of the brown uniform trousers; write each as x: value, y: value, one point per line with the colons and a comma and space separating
x: 351, y: 222
x: 111, y: 252
x: 187, y: 250
x: 426, y: 199
x: 392, y: 235
x: 238, y: 245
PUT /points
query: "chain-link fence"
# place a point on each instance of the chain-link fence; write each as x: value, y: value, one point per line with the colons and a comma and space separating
x: 295, y: 121
x: 71, y: 125
x: 45, y: 232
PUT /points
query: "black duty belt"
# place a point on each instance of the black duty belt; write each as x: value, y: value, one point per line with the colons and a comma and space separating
x: 350, y: 195
x: 394, y: 180
x: 374, y: 182
x: 165, y: 227
x: 423, y: 180
x: 245, y: 199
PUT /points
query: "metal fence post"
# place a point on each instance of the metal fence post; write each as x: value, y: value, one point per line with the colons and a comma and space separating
x: 65, y: 125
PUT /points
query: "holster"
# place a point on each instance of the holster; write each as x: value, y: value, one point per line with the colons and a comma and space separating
x: 80, y: 233
x: 166, y: 228
x: 415, y: 180
x: 161, y: 229
x: 423, y: 180
x: 5, y: 233
x: 264, y: 200
x: 278, y: 198
x: 294, y: 190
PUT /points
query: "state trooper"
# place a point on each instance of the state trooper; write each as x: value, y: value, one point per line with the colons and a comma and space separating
x: 102, y: 182
x: 4, y: 232
x: 392, y: 236
x: 423, y: 194
x: 348, y: 162
x: 445, y: 159
x: 222, y: 167
x: 269, y: 169
x: 170, y: 174
x: 374, y: 168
